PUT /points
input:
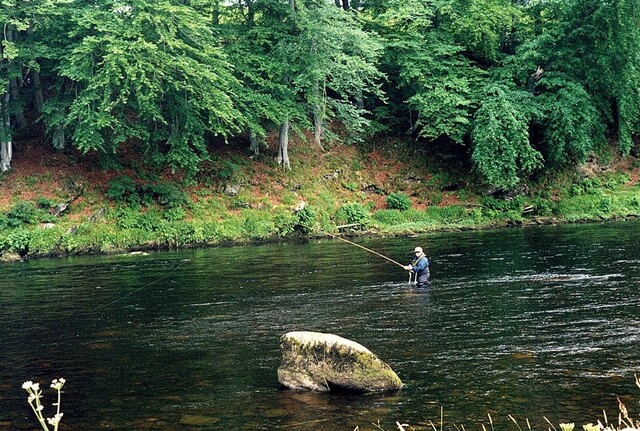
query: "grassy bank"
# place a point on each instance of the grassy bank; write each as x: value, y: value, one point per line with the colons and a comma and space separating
x: 60, y: 204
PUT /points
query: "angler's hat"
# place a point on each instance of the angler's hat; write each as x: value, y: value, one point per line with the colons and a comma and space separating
x: 418, y: 249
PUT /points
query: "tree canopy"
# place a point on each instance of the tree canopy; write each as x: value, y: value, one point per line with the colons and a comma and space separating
x: 519, y: 86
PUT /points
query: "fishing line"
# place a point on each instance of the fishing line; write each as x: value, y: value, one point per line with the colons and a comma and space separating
x: 145, y: 286
x: 367, y: 249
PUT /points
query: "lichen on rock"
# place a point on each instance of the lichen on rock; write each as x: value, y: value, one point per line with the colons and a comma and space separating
x: 324, y: 362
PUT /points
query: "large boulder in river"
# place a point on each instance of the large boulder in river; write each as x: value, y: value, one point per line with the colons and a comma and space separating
x: 324, y: 362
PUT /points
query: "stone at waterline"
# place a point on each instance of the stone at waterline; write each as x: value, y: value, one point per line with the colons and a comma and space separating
x: 323, y: 362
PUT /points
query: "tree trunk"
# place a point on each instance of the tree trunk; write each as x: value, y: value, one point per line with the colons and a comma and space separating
x: 5, y: 134
x: 283, y: 145
x: 254, y: 146
x: 59, y: 139
x: 360, y: 100
x: 318, y: 126
x: 14, y: 84
x: 318, y: 115
x: 38, y: 98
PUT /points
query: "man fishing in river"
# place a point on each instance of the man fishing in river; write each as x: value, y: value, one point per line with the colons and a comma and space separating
x: 420, y: 266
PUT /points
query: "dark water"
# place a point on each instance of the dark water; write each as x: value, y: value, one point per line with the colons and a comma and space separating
x: 536, y: 322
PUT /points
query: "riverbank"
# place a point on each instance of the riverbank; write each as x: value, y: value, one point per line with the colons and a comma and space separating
x: 58, y: 204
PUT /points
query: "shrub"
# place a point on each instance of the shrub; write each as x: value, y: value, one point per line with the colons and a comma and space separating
x: 127, y: 218
x: 398, y: 201
x: 166, y: 194
x: 257, y: 226
x: 542, y: 207
x: 175, y: 214
x: 352, y: 213
x: 390, y: 217
x: 634, y: 203
x: 16, y: 241
x: 285, y: 223
x: 606, y: 205
x: 305, y: 218
x: 24, y: 213
x: 123, y: 189
x: 45, y: 203
x: 350, y: 185
x: 435, y: 198
x: 446, y: 215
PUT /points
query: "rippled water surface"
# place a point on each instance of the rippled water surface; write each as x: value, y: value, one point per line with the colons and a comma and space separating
x: 533, y: 323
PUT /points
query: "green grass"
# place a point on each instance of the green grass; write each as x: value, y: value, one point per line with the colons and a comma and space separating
x: 155, y: 213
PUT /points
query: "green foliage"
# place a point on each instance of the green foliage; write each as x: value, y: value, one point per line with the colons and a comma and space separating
x: 502, y: 152
x: 284, y: 223
x: 305, y: 218
x: 228, y: 170
x: 482, y: 26
x: 390, y: 217
x: 398, y: 201
x: 595, y: 185
x: 123, y: 189
x: 175, y: 214
x: 166, y: 194
x: 150, y: 70
x: 438, y: 83
x: 503, y: 205
x: 16, y: 241
x: 352, y: 213
x: 45, y: 203
x: 435, y: 198
x: 21, y: 213
x: 634, y: 203
x: 24, y: 213
x: 573, y: 126
x: 350, y: 185
x: 542, y: 207
x: 447, y: 215
x: 128, y: 218
x: 257, y: 225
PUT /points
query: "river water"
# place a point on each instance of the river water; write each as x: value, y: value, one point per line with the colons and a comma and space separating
x: 532, y: 323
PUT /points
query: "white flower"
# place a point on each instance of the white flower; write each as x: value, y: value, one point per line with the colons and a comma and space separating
x: 55, y: 420
x: 58, y: 383
x: 40, y: 408
x: 27, y: 385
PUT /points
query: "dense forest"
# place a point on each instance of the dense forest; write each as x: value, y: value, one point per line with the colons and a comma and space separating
x: 510, y: 87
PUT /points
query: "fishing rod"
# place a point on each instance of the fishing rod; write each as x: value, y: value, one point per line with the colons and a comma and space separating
x: 366, y: 249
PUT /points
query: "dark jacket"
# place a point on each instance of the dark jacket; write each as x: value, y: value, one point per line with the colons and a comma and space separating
x: 421, y: 267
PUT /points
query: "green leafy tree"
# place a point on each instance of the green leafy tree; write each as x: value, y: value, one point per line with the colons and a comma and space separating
x: 302, y: 65
x: 590, y: 44
x: 435, y: 79
x: 339, y: 67
x: 144, y: 70
x: 573, y: 127
x: 502, y: 152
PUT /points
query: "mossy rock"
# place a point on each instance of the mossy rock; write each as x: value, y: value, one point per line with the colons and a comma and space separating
x: 325, y: 362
